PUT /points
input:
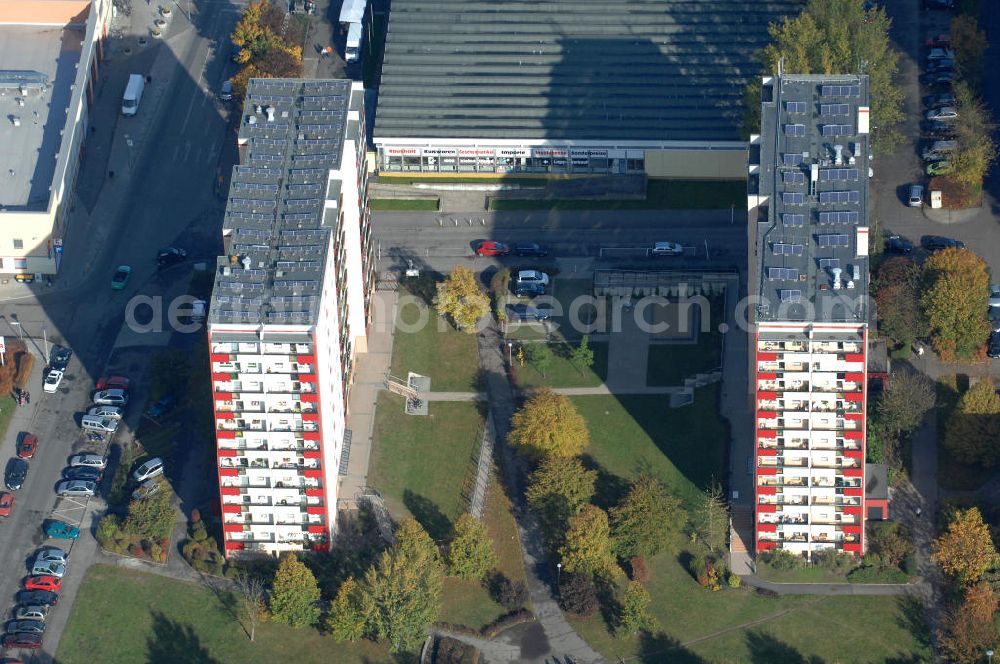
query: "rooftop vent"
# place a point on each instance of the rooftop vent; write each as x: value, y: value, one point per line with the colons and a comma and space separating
x: 836, y: 277
x: 252, y: 120
x: 838, y: 154
x: 246, y: 262
x: 270, y: 113
x: 227, y: 271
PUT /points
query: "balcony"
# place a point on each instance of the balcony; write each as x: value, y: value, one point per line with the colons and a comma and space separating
x: 244, y: 482
x: 768, y: 404
x: 298, y: 446
x: 249, y: 520
x: 784, y: 346
x: 793, y: 537
x: 793, y: 481
x: 287, y: 349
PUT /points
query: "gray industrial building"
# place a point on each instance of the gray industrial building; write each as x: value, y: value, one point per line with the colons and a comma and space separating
x: 569, y: 86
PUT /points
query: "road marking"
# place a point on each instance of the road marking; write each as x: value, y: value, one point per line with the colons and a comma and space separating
x: 201, y: 77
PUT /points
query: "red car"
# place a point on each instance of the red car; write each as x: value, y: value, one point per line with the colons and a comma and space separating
x: 939, y: 41
x: 27, y: 443
x: 490, y: 248
x: 22, y: 641
x: 112, y: 383
x: 43, y: 582
x: 6, y: 503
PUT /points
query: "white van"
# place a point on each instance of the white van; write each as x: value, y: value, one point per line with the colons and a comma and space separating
x: 133, y: 94
x: 102, y: 424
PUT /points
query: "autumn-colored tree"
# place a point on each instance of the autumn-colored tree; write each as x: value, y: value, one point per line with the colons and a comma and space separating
x: 956, y: 287
x: 348, y: 618
x: 471, y: 553
x: 557, y: 490
x: 634, y: 613
x: 897, y: 296
x: 294, y: 597
x: 460, y: 298
x: 968, y: 42
x: 974, y: 132
x: 969, y: 629
x: 587, y: 547
x: 266, y: 51
x: 549, y: 425
x: 965, y: 551
x: 252, y: 607
x: 648, y: 520
x: 907, y: 397
x: 152, y: 517
x: 973, y: 430
x: 836, y: 37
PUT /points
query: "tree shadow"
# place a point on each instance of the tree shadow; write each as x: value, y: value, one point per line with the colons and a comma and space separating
x: 913, y: 618
x: 658, y: 648
x: 609, y: 489
x: 174, y: 643
x: 765, y: 649
x: 429, y: 515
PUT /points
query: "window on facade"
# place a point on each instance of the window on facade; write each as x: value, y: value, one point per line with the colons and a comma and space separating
x: 20, y: 263
x: 18, y: 244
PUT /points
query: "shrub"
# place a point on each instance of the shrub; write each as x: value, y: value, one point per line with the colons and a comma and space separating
x: 136, y: 550
x: 195, y: 516
x: 638, y: 571
x: 107, y: 529
x: 155, y: 551
x: 507, y: 621
x: 699, y: 568
x: 578, y: 595
x: 782, y: 560
x: 505, y: 591
x: 909, y: 564
x: 452, y: 651
x: 733, y: 580
x: 198, y: 531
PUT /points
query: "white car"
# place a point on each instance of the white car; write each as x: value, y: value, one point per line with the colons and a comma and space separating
x: 152, y: 468
x: 916, y: 195
x: 943, y: 113
x: 532, y: 277
x: 48, y: 567
x: 147, y: 489
x: 941, y: 54
x: 51, y: 554
x: 52, y: 380
x: 88, y: 461
x: 109, y: 412
x: 667, y: 249
x: 31, y: 613
x: 81, y: 488
x: 110, y: 398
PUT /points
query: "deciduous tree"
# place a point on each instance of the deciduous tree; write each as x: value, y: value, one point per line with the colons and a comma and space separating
x: 587, y: 548
x: 540, y: 357
x: 471, y: 553
x: 965, y: 551
x: 549, y: 425
x: 252, y: 607
x: 557, y: 490
x: 974, y: 129
x: 294, y: 598
x: 153, y: 517
x: 348, y: 618
x: 582, y: 356
x: 972, y: 433
x: 711, y: 518
x: 904, y: 402
x: 969, y: 629
x: 968, y: 42
x: 460, y: 298
x: 647, y: 520
x: 897, y: 296
x: 634, y: 613
x: 836, y: 37
x: 956, y: 287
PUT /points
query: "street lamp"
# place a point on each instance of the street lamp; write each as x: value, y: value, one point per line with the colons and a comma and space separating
x: 989, y: 656
x: 510, y: 353
x: 558, y: 574
x: 17, y: 326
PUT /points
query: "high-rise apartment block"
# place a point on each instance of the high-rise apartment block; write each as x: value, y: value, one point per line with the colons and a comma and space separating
x: 289, y: 311
x: 808, y: 244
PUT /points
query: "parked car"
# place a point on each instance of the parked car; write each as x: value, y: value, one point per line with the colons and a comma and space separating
x: 31, y: 612
x: 897, y: 244
x: 147, y: 489
x: 170, y: 256
x: 76, y: 488
x: 937, y: 243
x: 667, y: 249
x: 6, y: 503
x: 532, y: 277
x: 112, y: 383
x: 60, y: 357
x: 24, y: 627
x: 938, y: 78
x: 21, y: 641
x: 938, y: 100
x: 27, y: 444
x: 226, y: 93
x: 944, y: 113
x: 151, y: 468
x: 946, y: 65
x: 938, y: 130
x: 56, y: 529
x: 38, y: 597
x: 939, y: 4
x: 529, y: 290
x: 916, y: 198
x: 99, y: 424
x: 44, y: 582
x: 531, y: 249
x: 523, y: 312
x: 52, y: 380
x: 940, y: 54
x: 88, y: 459
x: 115, y: 397
x: 160, y: 407
x: 120, y: 278
x: 17, y: 471
x: 491, y: 248
x: 942, y: 40
x: 83, y: 473
x: 51, y: 554
x: 938, y: 168
x: 108, y: 412
x: 48, y: 568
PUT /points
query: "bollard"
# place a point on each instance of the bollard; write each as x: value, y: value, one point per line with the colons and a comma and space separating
x: 482, y: 222
x: 440, y: 222
x: 456, y: 223
x: 470, y: 223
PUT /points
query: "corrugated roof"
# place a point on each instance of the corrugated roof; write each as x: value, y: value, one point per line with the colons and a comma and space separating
x: 571, y: 69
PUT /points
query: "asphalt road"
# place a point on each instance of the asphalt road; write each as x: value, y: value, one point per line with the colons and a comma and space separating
x: 169, y: 201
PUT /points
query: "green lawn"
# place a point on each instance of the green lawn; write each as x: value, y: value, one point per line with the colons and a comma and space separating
x: 125, y: 617
x: 670, y: 364
x: 421, y: 464
x: 7, y: 408
x: 562, y: 373
x: 403, y: 204
x: 660, y: 195
x: 390, y: 178
x: 436, y: 349
x: 684, y: 447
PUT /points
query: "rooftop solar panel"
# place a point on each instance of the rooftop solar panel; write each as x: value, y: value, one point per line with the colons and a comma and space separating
x: 795, y: 130
x: 795, y: 106
x: 793, y: 219
x: 833, y: 241
x: 829, y: 262
x: 834, y: 109
x: 784, y: 249
x: 792, y: 159
x: 793, y: 198
x: 790, y: 295
x: 793, y: 177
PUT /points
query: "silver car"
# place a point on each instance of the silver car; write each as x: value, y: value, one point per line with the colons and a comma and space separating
x: 23, y: 612
x: 51, y: 554
x: 88, y: 460
x: 111, y: 398
x: 80, y: 488
x: 106, y: 412
x: 47, y: 567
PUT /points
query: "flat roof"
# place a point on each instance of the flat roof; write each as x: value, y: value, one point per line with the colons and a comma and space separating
x: 812, y: 231
x: 571, y: 69
x: 44, y: 58
x: 281, y: 207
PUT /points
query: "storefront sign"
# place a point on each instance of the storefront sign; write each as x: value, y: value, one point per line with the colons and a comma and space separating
x: 549, y: 152
x: 476, y: 152
x: 513, y: 152
x: 587, y: 154
x: 405, y: 152
x: 440, y: 152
